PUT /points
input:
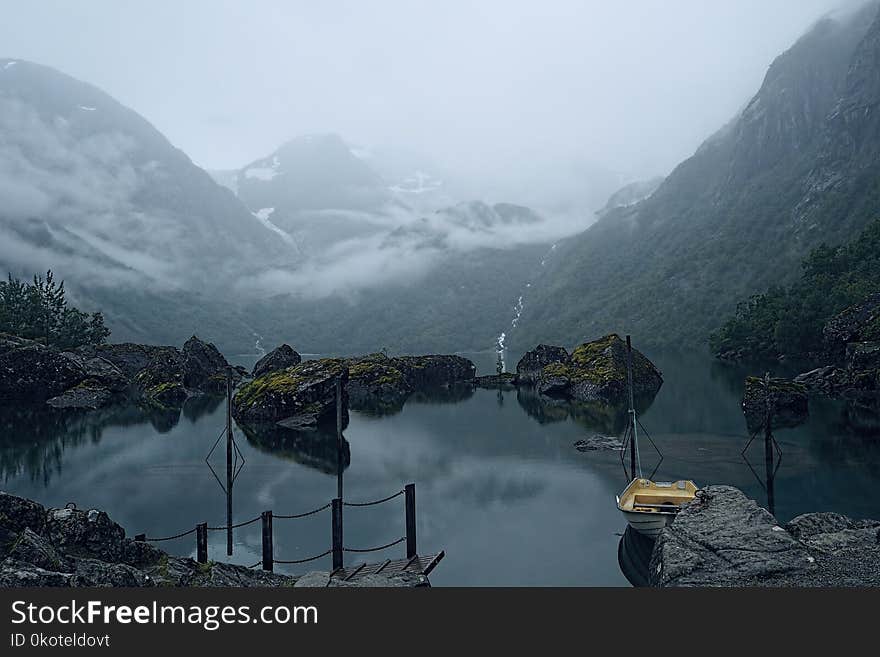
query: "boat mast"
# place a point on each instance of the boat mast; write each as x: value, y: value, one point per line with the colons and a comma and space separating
x: 634, y: 458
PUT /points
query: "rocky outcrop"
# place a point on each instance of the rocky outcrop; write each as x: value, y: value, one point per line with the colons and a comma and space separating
x: 204, y: 367
x: 377, y: 381
x: 70, y: 547
x: 784, y: 400
x: 434, y: 371
x: 595, y: 371
x: 504, y: 381
x: 98, y: 375
x: 35, y: 373
x: 299, y: 397
x: 278, y: 359
x: 172, y: 375
x: 532, y: 364
x: 859, y: 376
x: 723, y: 538
x: 860, y: 322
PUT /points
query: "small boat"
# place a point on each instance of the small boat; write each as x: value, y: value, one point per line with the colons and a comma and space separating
x: 649, y: 506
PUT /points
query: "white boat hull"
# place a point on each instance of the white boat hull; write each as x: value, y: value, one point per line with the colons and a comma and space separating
x: 648, y: 524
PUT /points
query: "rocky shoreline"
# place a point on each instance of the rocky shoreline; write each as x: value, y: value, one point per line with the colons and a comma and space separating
x: 723, y: 538
x: 44, y: 547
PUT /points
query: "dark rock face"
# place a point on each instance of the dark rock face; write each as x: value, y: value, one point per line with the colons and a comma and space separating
x: 785, y: 400
x: 530, y: 366
x: 860, y: 376
x: 856, y: 323
x: 128, y: 357
x: 595, y: 371
x: 278, y: 359
x: 505, y: 380
x: 434, y: 371
x: 35, y: 373
x: 377, y: 381
x: 76, y: 548
x: 725, y: 539
x: 303, y: 396
x: 380, y: 382
x: 162, y: 379
x: 204, y: 367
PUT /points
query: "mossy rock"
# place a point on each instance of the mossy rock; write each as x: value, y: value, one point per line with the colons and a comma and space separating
x: 305, y: 393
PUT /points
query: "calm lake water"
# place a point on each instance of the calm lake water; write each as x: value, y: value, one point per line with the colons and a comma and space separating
x: 499, y: 485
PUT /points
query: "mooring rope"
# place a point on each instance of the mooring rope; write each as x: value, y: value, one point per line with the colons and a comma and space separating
x: 241, y: 524
x: 376, y: 549
x: 307, y: 513
x: 295, y: 561
x: 170, y: 538
x: 373, y: 503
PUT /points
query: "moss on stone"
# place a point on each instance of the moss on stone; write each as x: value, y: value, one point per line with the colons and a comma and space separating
x: 286, y: 381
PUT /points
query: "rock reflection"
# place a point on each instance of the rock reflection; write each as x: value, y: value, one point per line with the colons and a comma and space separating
x: 315, y: 449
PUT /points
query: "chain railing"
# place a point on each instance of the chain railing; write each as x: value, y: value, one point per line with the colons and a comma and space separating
x: 337, y: 549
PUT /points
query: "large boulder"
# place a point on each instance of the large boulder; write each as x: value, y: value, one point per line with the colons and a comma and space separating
x: 278, y: 359
x: 595, y: 371
x: 434, y: 371
x: 161, y: 381
x: 36, y: 373
x: 532, y: 364
x: 204, y: 367
x: 128, y: 357
x: 302, y: 396
x: 376, y: 381
x: 785, y: 400
x: 723, y: 538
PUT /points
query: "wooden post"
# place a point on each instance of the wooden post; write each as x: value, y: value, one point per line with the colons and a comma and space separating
x: 768, y: 443
x: 229, y: 461
x: 202, y: 542
x: 632, y: 411
x: 268, y: 554
x: 410, y: 494
x: 336, y: 518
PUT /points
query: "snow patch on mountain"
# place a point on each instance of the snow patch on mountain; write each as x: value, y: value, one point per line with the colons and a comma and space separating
x: 264, y: 173
x: 263, y: 215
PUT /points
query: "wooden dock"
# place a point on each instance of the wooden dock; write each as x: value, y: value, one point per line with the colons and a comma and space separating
x: 418, y: 565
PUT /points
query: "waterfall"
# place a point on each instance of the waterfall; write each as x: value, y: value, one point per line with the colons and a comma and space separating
x: 500, y: 346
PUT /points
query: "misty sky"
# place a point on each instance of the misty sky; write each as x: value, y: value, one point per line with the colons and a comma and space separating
x: 631, y: 86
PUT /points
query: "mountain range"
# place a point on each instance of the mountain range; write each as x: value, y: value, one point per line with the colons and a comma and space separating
x: 799, y: 166
x: 335, y: 247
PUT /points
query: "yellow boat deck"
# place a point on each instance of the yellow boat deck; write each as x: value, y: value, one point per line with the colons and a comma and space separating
x: 646, y: 496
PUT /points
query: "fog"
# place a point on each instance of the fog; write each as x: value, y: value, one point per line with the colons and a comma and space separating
x: 511, y: 96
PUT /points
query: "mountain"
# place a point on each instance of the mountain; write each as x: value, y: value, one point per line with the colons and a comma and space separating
x: 797, y: 167
x: 93, y: 191
x: 631, y: 194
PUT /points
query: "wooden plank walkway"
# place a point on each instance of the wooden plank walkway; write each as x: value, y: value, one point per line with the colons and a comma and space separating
x: 419, y: 564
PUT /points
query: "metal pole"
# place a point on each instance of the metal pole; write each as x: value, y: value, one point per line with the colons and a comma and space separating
x: 632, y: 409
x: 410, y: 493
x: 229, y: 458
x: 339, y: 438
x: 268, y: 553
x: 202, y: 543
x: 336, y: 518
x: 768, y: 443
